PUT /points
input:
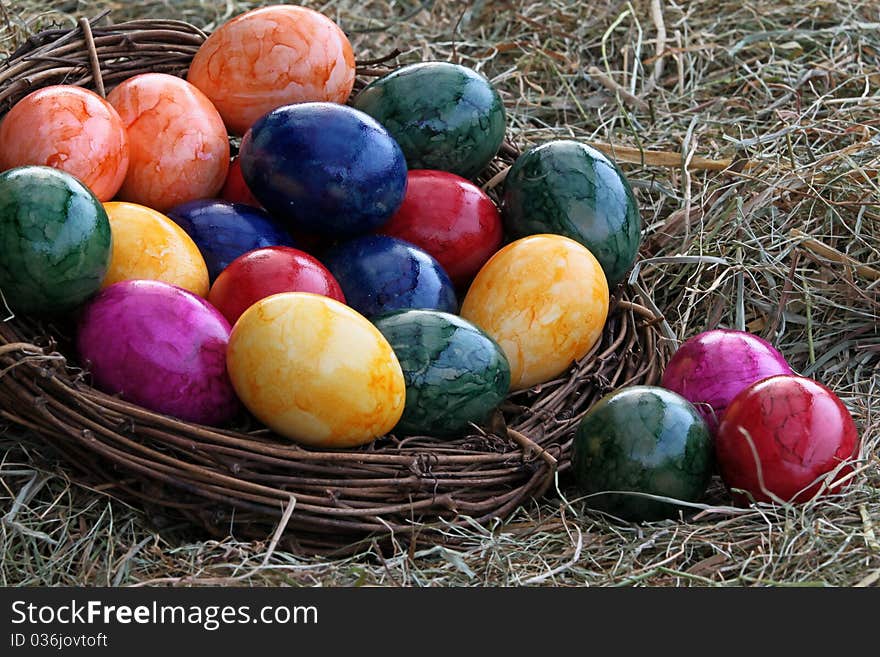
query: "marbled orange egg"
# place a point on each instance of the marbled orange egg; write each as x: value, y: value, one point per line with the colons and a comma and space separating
x: 68, y: 128
x: 178, y: 144
x: 269, y: 57
x: 544, y: 299
x: 314, y: 370
x: 148, y: 245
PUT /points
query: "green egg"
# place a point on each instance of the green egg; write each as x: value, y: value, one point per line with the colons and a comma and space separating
x: 445, y: 116
x: 54, y: 240
x: 455, y: 374
x: 642, y: 439
x: 568, y: 188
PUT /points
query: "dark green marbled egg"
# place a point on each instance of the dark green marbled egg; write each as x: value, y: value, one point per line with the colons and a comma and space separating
x: 455, y: 374
x: 54, y: 240
x: 444, y: 116
x: 644, y: 439
x: 571, y: 189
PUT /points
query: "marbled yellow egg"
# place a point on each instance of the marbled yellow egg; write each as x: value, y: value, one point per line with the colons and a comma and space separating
x: 315, y: 371
x: 148, y: 245
x: 544, y: 299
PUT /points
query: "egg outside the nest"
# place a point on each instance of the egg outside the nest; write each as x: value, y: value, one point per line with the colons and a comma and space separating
x: 785, y: 438
x: 712, y: 367
x: 638, y: 442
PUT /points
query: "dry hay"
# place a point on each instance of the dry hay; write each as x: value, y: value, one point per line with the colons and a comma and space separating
x: 784, y: 242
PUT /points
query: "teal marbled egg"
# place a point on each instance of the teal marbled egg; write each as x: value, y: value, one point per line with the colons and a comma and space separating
x: 571, y: 189
x: 643, y: 439
x: 54, y: 240
x: 444, y: 116
x: 455, y: 374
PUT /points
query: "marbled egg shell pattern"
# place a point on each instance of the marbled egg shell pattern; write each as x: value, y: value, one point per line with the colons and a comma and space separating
x: 68, y: 128
x: 223, y: 231
x: 572, y: 189
x: 380, y: 274
x: 55, y: 240
x: 455, y: 374
x: 327, y: 169
x: 161, y: 347
x: 315, y: 371
x: 544, y: 299
x: 444, y: 116
x: 148, y: 245
x: 646, y: 440
x: 269, y: 57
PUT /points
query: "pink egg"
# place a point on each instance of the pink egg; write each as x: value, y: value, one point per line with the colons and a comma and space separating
x: 161, y: 347
x: 179, y: 149
x: 711, y: 368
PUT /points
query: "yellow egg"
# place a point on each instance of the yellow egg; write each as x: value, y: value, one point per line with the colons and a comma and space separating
x: 314, y: 370
x: 149, y: 245
x: 544, y: 299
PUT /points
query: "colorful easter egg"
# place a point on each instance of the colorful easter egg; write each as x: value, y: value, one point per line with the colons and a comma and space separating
x: 571, y: 189
x: 223, y: 231
x: 326, y: 168
x: 380, y: 274
x: 269, y: 57
x: 780, y: 437
x: 642, y: 439
x: 711, y: 368
x: 179, y: 149
x: 455, y: 374
x: 264, y: 272
x: 161, y: 347
x: 444, y: 116
x: 450, y: 218
x: 315, y: 371
x: 54, y: 240
x: 68, y: 128
x: 544, y: 299
x: 235, y: 189
x: 148, y: 245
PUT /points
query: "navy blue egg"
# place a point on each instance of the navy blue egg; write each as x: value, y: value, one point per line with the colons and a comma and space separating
x: 380, y: 274
x: 329, y: 169
x: 223, y: 231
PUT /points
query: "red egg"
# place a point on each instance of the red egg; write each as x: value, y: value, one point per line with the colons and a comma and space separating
x: 779, y: 436
x: 235, y: 189
x: 450, y: 218
x: 264, y: 272
x: 178, y: 144
x: 68, y: 128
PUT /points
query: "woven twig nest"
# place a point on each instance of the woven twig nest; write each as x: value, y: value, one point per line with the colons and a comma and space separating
x: 245, y: 481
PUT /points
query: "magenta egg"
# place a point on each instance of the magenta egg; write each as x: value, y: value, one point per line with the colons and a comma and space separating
x: 161, y: 347
x: 711, y: 368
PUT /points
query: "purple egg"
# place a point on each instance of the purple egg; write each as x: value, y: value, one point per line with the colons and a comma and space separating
x: 711, y: 368
x: 161, y: 347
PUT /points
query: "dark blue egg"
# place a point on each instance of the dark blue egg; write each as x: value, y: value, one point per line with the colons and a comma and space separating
x: 380, y: 274
x: 329, y: 169
x: 223, y: 231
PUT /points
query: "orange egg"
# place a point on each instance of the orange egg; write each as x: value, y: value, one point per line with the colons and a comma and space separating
x: 69, y: 128
x: 148, y: 245
x: 270, y: 57
x: 314, y: 370
x: 544, y: 299
x: 179, y: 146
